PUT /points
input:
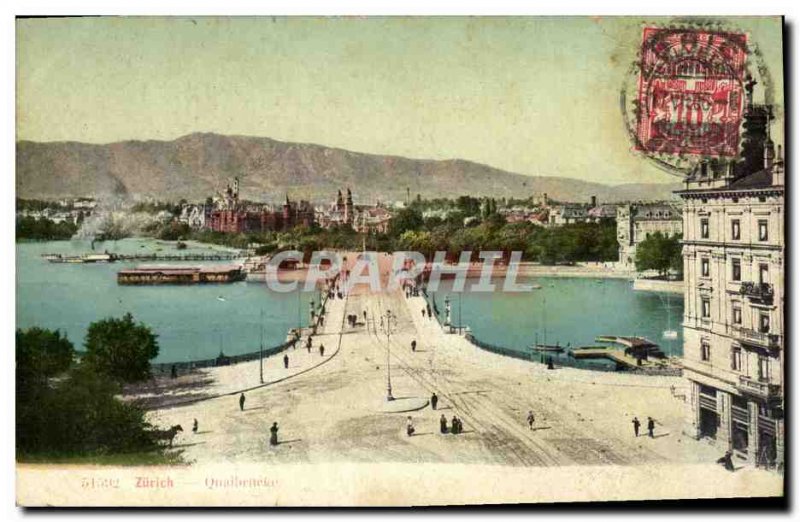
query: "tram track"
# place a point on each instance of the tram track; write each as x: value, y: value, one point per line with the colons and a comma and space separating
x: 498, y: 431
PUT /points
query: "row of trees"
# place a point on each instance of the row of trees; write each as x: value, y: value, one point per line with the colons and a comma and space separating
x: 469, y: 223
x: 660, y: 253
x: 408, y: 230
x: 68, y: 406
x: 44, y: 229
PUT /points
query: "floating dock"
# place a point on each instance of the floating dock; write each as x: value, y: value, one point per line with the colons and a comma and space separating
x: 180, y: 275
x: 108, y: 257
x: 638, y: 352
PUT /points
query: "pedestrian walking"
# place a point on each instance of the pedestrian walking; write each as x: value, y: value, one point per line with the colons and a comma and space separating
x: 322, y: 350
x: 241, y: 402
x: 636, y: 425
x: 273, y: 434
x: 531, y: 419
x: 454, y: 425
x: 365, y: 316
x: 414, y: 345
x: 651, y: 426
x: 174, y: 372
x: 286, y: 361
x: 409, y: 427
x: 429, y: 310
x: 727, y: 461
x: 423, y: 312
x: 194, y: 426
x: 434, y: 401
x: 443, y: 424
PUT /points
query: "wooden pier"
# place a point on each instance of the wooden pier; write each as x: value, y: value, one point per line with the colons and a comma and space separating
x: 631, y: 353
x: 112, y: 258
x: 617, y: 356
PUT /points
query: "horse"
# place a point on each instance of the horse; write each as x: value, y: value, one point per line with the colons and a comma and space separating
x: 167, y: 434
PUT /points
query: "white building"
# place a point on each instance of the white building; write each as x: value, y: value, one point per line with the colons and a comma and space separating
x: 637, y: 222
x: 733, y: 236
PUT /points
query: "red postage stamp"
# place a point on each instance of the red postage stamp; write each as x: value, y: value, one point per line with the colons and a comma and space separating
x: 691, y: 92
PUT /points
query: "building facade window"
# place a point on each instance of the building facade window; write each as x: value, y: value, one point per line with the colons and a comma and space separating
x: 708, y: 391
x: 705, y: 267
x: 737, y: 314
x: 763, y: 230
x: 705, y: 351
x: 706, y: 308
x: 736, y: 358
x: 736, y: 231
x: 736, y: 273
x: 763, y: 368
x: 763, y: 273
x: 763, y: 323
x: 704, y: 228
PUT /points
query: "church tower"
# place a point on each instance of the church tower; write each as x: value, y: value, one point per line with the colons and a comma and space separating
x: 349, y: 215
x: 339, y: 201
x: 287, y: 213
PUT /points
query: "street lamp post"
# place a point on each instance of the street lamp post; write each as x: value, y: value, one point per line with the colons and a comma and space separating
x: 447, y: 314
x: 313, y: 316
x: 299, y: 329
x: 459, y: 313
x: 387, y: 328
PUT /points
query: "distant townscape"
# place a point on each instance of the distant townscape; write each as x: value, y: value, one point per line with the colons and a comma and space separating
x: 719, y: 243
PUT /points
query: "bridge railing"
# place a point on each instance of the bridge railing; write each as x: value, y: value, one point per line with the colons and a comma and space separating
x: 220, y: 360
x: 226, y: 360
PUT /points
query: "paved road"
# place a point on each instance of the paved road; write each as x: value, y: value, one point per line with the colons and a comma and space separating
x: 333, y: 413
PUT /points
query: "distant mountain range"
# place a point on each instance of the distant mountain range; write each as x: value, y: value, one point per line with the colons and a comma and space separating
x: 197, y: 165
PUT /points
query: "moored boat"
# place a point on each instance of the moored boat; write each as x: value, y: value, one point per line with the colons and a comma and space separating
x: 548, y: 348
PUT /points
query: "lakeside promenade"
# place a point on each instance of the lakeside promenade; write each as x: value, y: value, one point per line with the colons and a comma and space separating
x: 333, y: 413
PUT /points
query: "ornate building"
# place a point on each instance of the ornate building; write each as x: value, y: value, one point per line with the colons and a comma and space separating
x: 231, y: 215
x: 733, y: 237
x: 638, y: 221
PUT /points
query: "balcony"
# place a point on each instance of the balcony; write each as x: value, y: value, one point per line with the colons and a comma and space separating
x: 759, y: 292
x: 757, y: 388
x: 764, y: 340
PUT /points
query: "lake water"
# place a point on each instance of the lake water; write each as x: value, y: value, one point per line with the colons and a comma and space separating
x: 194, y: 322
x: 567, y: 310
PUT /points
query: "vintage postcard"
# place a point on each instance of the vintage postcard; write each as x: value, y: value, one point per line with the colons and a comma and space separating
x: 399, y: 261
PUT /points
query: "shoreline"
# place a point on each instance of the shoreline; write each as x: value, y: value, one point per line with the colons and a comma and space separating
x: 335, y: 416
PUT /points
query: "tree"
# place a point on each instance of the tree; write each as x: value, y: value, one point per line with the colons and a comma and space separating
x: 64, y: 408
x: 41, y: 354
x: 406, y: 219
x: 121, y: 348
x: 469, y: 206
x: 44, y: 229
x: 174, y: 230
x: 659, y: 252
x: 80, y: 414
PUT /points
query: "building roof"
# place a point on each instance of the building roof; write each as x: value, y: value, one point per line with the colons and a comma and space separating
x: 760, y: 179
x: 655, y: 211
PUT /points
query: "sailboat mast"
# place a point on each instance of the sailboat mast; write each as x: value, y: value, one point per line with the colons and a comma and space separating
x: 544, y: 314
x: 261, y: 349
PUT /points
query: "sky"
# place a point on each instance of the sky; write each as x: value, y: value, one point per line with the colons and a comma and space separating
x: 536, y: 96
